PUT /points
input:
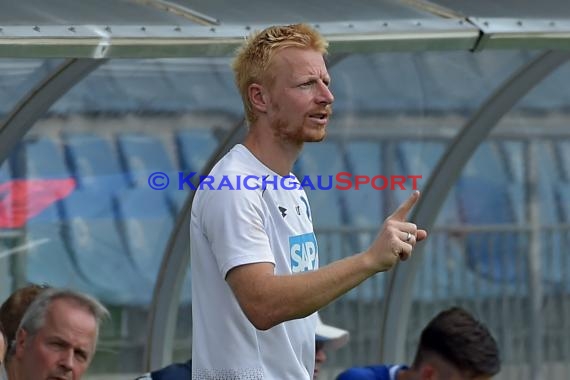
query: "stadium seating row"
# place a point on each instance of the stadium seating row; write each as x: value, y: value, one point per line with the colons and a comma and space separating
x: 111, y: 231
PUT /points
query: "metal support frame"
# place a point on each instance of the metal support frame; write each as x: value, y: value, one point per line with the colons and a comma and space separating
x: 399, y: 296
x: 39, y: 99
x: 166, y: 296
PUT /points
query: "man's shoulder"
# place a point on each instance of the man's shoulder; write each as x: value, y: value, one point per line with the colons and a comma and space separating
x: 375, y: 372
x: 177, y: 371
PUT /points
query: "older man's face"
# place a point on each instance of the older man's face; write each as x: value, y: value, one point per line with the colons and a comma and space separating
x: 63, y: 348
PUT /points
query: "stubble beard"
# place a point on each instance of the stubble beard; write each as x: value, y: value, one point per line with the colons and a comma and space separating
x: 296, y: 136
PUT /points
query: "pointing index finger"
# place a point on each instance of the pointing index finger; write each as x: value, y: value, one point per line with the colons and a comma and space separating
x: 402, y: 211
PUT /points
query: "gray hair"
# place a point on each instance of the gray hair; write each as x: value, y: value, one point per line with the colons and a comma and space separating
x: 34, y: 318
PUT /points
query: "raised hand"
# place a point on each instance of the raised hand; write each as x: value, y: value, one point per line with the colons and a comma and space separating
x: 397, y: 238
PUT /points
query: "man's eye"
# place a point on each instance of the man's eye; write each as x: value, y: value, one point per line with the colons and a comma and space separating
x: 81, y: 356
x: 58, y: 345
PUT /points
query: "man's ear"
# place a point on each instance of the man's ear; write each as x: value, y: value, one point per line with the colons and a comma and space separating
x: 21, y: 337
x: 258, y: 97
x: 428, y: 372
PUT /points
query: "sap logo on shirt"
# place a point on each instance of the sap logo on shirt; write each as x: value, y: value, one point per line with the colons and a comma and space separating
x: 304, y: 252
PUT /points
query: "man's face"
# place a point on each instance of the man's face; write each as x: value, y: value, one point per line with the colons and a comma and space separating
x: 63, y: 348
x: 300, y: 101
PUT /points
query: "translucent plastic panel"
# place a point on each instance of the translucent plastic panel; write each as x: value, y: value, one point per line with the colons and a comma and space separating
x: 508, y: 248
x: 18, y: 77
x: 96, y: 219
x: 155, y: 87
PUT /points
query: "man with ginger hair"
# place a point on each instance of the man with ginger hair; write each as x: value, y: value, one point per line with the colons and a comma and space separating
x: 254, y: 265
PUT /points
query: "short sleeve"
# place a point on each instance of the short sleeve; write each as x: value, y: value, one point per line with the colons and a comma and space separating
x: 234, y: 225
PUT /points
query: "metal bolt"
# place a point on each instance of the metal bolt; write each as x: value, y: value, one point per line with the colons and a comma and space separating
x: 108, y: 28
x: 317, y: 26
x: 71, y: 29
x: 385, y: 23
x: 486, y: 23
x: 350, y: 26
x: 212, y: 29
x: 552, y: 23
x: 461, y: 22
x: 247, y: 27
x: 143, y: 28
x: 519, y: 23
x: 177, y: 29
x: 36, y: 28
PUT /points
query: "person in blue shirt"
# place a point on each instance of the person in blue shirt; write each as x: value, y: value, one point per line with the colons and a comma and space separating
x: 453, y: 346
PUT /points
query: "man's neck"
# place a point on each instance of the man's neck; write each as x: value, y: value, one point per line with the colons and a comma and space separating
x: 277, y: 155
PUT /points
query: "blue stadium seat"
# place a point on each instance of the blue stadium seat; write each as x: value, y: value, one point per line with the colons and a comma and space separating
x: 547, y: 179
x: 48, y: 260
x: 144, y: 155
x: 552, y: 250
x: 355, y: 92
x: 563, y: 147
x: 95, y: 163
x: 364, y: 206
x: 100, y: 252
x: 176, y: 200
x: 564, y: 201
x: 445, y: 274
x: 483, y: 198
x: 147, y: 224
x: 196, y: 146
x: 491, y: 254
x: 5, y: 172
x: 421, y: 158
x: 512, y: 155
x: 319, y: 161
x: 32, y: 162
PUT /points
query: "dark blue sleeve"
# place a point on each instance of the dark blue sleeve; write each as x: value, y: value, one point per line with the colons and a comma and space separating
x: 174, y: 372
x: 379, y: 372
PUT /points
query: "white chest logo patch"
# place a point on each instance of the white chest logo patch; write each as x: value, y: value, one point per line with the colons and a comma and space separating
x: 304, y: 252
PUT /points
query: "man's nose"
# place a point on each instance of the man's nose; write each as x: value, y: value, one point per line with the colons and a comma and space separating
x: 66, y: 360
x: 325, y: 94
